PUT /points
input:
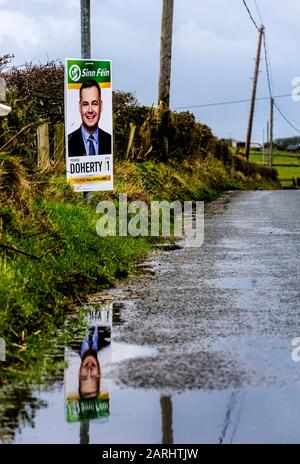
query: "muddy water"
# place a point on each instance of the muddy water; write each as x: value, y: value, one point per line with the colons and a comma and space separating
x: 197, y: 350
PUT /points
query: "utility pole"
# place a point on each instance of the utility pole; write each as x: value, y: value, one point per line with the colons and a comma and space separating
x: 255, y: 79
x: 167, y: 420
x: 263, y: 150
x: 165, y: 52
x: 85, y: 15
x: 85, y: 29
x: 271, y: 131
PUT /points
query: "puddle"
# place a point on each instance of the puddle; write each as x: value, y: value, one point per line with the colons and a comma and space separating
x: 137, y: 416
x: 274, y: 231
x: 83, y: 393
x: 242, y: 283
x: 215, y: 323
x: 127, y: 415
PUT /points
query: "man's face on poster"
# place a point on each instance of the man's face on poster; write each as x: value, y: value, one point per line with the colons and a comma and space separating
x: 90, y: 107
x: 89, y: 377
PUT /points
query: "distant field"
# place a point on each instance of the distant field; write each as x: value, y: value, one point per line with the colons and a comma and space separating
x: 279, y: 158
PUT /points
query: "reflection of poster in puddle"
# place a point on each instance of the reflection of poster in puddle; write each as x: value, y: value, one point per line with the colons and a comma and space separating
x: 86, y: 392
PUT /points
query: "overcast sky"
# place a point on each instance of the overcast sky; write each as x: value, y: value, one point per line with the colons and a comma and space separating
x: 214, y: 46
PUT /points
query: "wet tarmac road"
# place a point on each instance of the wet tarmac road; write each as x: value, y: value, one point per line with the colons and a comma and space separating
x: 223, y: 315
x: 202, y: 350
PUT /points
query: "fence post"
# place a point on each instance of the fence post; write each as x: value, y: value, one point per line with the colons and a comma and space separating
x: 130, y: 138
x: 43, y: 146
x: 59, y: 142
x: 2, y: 89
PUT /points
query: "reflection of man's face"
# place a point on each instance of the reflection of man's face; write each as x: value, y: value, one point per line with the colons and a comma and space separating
x: 89, y: 377
x: 90, y: 107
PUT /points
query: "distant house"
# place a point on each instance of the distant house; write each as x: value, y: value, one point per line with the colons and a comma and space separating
x: 253, y: 146
x: 256, y: 146
x: 230, y: 142
x: 294, y: 148
x: 236, y: 144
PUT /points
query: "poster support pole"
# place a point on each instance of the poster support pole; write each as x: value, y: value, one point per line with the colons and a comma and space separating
x: 86, y: 50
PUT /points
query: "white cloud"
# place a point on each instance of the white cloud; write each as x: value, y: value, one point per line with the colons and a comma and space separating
x: 28, y: 31
x: 196, y: 41
x: 213, y: 48
x: 24, y: 31
x: 123, y: 3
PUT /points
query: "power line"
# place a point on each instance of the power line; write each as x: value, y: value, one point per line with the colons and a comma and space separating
x: 269, y: 77
x: 232, y: 102
x: 267, y: 54
x: 289, y: 116
x: 246, y: 100
x: 267, y: 67
x: 285, y: 118
x: 269, y: 60
x: 251, y: 17
x: 258, y: 12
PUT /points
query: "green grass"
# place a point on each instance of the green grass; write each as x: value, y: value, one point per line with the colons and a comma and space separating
x: 281, y: 157
x: 288, y: 172
x: 59, y: 228
x: 35, y: 295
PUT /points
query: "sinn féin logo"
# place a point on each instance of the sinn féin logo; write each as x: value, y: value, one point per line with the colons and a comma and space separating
x: 75, y: 72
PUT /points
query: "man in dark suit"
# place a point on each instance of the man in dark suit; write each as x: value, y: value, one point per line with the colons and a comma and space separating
x: 89, y: 139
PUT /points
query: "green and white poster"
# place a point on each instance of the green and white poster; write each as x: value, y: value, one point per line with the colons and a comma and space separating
x: 88, y: 123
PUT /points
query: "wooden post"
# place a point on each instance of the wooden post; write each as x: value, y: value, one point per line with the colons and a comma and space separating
x: 85, y: 12
x: 167, y: 420
x: 43, y: 146
x: 2, y: 89
x: 84, y: 432
x: 85, y: 29
x: 252, y: 106
x: 166, y: 52
x: 263, y: 149
x: 59, y: 147
x: 271, y: 131
x: 165, y: 72
x: 130, y: 138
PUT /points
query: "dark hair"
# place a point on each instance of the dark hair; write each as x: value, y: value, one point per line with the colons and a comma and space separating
x: 93, y: 397
x: 88, y: 84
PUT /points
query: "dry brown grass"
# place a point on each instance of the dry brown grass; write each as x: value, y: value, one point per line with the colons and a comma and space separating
x: 14, y: 183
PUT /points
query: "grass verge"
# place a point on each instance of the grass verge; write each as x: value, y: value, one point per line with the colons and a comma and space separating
x: 64, y: 257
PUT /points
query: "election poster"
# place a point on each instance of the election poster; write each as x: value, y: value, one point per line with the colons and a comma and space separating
x: 86, y: 395
x: 86, y: 359
x: 88, y: 124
